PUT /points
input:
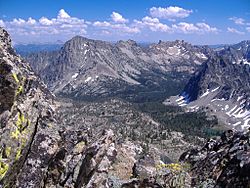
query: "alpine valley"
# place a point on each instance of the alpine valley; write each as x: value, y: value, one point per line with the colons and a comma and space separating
x: 96, y: 114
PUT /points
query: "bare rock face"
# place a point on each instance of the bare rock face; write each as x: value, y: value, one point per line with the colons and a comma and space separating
x: 222, y: 163
x: 80, y: 165
x: 27, y: 127
x: 222, y: 85
x: 88, y: 69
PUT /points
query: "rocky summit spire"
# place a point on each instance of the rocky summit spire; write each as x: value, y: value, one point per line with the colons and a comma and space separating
x: 28, y: 133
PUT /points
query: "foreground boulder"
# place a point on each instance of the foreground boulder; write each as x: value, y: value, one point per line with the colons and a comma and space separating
x: 224, y: 162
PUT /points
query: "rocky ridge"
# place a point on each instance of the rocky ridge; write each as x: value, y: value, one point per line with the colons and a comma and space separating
x: 28, y: 132
x: 86, y: 68
x: 223, y: 162
x: 222, y: 85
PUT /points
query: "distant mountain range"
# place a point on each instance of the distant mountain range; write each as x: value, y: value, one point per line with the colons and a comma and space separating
x: 25, y: 49
x: 223, y: 85
x: 85, y: 68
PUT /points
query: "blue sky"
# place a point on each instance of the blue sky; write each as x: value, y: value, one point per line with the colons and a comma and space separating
x: 196, y: 21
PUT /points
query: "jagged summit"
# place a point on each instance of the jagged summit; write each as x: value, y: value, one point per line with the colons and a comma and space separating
x: 129, y: 42
x: 27, y: 140
x: 85, y: 67
x: 223, y: 85
x: 5, y: 40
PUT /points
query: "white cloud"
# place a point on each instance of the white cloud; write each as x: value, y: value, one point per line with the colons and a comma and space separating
x: 119, y: 28
x: 18, y: 21
x: 169, y: 12
x: 185, y: 28
x: 189, y: 28
x: 118, y: 25
x: 63, y: 14
x: 45, y: 21
x: 153, y: 24
x: 207, y: 28
x: 31, y: 21
x: 150, y: 20
x: 233, y: 30
x: 101, y: 24
x: 125, y: 29
x: 104, y: 32
x: 63, y: 24
x: 238, y: 21
x: 248, y: 28
x: 118, y: 18
x: 2, y: 24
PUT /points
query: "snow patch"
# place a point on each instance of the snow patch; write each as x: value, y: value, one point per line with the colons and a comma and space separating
x: 88, y: 79
x: 238, y: 123
x: 201, y: 55
x: 182, y: 104
x: 75, y: 75
x: 246, y: 123
x: 239, y: 98
x: 205, y: 94
x: 215, y: 89
x: 229, y: 113
x: 179, y: 99
x: 85, y: 52
x: 222, y: 99
x: 245, y: 62
x: 173, y: 51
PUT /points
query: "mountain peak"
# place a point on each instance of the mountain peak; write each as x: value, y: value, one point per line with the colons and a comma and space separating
x: 127, y: 42
x: 79, y: 38
x: 5, y: 40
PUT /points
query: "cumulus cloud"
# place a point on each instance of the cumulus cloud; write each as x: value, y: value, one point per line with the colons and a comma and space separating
x: 62, y: 14
x: 18, y: 21
x: 118, y: 25
x: 153, y: 24
x: 45, y: 21
x: 118, y: 18
x: 169, y: 12
x: 2, y: 24
x: 63, y: 24
x: 238, y: 21
x: 119, y: 28
x: 198, y: 28
x: 31, y: 21
x: 233, y: 30
x: 101, y: 24
x: 203, y: 27
x: 248, y: 28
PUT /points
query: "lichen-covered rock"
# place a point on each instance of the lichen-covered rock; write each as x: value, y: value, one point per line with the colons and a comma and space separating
x: 224, y: 162
x: 27, y: 126
x: 83, y: 166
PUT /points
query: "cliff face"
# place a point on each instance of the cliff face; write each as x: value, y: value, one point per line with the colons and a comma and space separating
x: 27, y: 127
x: 222, y: 85
x: 224, y: 162
x: 88, y: 69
